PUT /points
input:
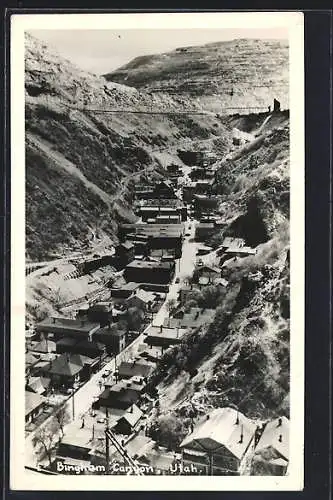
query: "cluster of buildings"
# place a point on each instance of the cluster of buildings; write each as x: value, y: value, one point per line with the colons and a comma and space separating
x: 148, y: 249
x: 163, y: 189
x: 161, y: 205
x: 114, y: 432
x: 63, y: 354
x: 197, y: 158
x: 199, y: 191
x: 150, y: 237
x: 225, y: 442
x: 161, y: 211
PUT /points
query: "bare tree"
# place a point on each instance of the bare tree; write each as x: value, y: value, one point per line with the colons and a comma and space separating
x: 46, y: 440
x: 62, y: 417
x: 170, y: 307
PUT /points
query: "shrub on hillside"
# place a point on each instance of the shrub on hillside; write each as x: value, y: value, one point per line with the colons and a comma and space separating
x: 168, y: 430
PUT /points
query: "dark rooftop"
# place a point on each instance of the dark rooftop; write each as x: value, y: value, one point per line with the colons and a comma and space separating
x: 136, y: 368
x: 44, y: 346
x: 127, y: 245
x: 66, y: 365
x: 53, y: 324
x: 109, y: 331
x: 144, y: 264
x: 67, y: 342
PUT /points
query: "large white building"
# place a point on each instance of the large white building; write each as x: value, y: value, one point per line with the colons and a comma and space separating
x: 218, y: 443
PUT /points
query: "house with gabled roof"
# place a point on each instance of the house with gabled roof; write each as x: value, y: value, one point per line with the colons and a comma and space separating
x: 219, y: 442
x: 34, y: 405
x: 38, y: 385
x: 141, y: 299
x: 43, y: 347
x: 67, y: 369
x: 117, y: 397
x: 129, y: 421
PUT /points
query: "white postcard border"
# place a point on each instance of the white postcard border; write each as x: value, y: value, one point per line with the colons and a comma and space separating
x: 20, y: 478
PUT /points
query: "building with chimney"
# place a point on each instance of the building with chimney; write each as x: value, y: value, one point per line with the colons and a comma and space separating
x: 149, y: 272
x: 217, y: 444
x: 69, y: 369
x: 166, y: 236
x: 127, y: 370
x: 100, y: 312
x: 57, y: 328
x: 113, y: 337
x: 164, y: 336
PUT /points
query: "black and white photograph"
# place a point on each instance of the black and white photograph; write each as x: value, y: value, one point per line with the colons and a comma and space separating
x: 157, y: 215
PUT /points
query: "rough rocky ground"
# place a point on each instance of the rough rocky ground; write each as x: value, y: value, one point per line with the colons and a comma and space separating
x: 218, y: 75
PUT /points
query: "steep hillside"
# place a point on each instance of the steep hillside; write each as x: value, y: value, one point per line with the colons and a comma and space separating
x: 86, y: 142
x: 245, y: 73
x: 255, y: 181
x: 242, y: 358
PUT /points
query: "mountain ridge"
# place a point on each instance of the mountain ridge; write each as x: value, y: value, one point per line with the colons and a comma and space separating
x: 240, y: 72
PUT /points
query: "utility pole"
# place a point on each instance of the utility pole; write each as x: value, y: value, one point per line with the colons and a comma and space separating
x: 107, y: 443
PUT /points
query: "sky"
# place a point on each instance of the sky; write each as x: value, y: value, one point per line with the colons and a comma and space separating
x: 102, y: 51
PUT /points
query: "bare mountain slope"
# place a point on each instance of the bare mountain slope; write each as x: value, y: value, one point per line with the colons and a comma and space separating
x: 85, y: 142
x: 245, y: 73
